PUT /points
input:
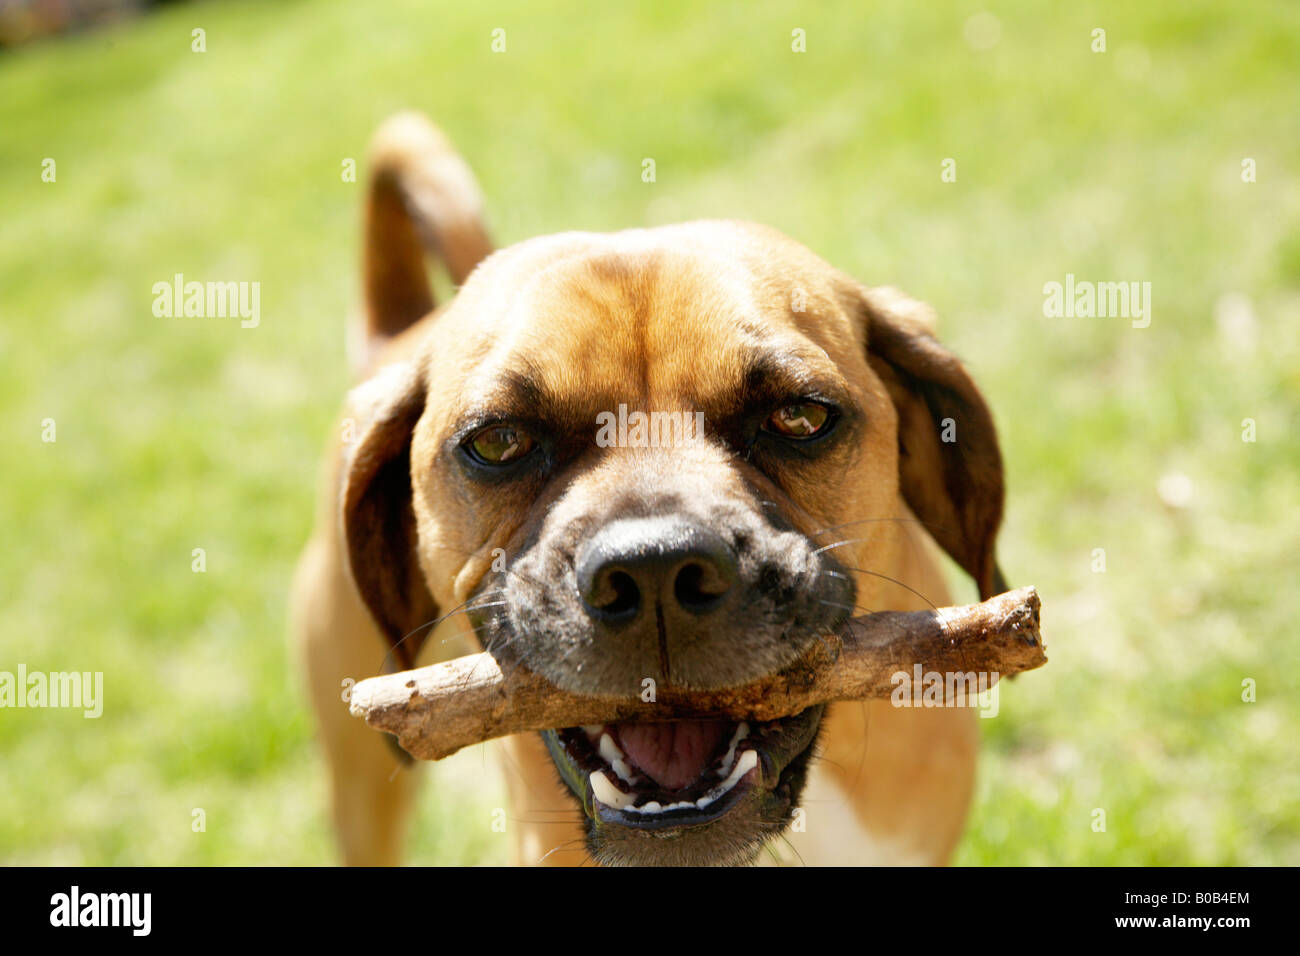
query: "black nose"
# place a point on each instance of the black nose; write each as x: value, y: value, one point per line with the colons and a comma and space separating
x: 631, y: 564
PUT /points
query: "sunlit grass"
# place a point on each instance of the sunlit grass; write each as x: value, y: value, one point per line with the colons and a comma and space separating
x: 179, y: 434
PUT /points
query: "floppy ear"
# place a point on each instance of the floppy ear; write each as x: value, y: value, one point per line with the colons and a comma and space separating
x: 377, y: 514
x: 950, y: 468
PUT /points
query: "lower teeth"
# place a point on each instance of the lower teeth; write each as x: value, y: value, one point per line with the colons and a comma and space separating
x: 608, y: 794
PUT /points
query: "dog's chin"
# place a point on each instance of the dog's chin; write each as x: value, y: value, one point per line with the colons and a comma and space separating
x: 685, y: 793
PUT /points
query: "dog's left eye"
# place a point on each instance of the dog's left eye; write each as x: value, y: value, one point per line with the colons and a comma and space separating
x: 801, y: 420
x: 499, y: 444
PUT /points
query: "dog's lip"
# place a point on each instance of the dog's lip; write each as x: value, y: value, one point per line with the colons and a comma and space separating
x: 755, y: 759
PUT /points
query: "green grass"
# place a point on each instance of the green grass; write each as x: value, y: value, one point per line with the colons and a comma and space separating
x: 179, y: 434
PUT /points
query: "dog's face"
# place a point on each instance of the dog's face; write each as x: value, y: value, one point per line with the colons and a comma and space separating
x: 788, y: 415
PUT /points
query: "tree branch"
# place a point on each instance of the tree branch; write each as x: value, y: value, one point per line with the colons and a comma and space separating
x: 434, y: 711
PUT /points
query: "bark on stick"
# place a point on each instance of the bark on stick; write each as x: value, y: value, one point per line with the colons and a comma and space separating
x: 435, y: 711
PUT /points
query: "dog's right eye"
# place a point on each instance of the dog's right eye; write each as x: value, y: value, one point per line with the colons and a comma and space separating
x: 499, y: 444
x: 802, y: 420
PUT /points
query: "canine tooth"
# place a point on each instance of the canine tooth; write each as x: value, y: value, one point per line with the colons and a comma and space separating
x: 610, y: 753
x: 747, y: 762
x: 608, y: 794
x: 742, y: 731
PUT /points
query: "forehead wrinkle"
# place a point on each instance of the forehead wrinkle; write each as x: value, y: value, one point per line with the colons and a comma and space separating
x: 521, y: 391
x: 728, y: 358
x: 591, y: 322
x: 653, y: 327
x: 572, y: 343
x: 698, y: 330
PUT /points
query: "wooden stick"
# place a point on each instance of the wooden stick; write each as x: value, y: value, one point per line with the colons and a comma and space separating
x: 434, y: 711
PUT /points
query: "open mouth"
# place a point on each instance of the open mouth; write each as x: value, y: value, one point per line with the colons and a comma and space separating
x: 681, y: 774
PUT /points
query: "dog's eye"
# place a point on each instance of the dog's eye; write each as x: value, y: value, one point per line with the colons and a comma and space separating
x: 802, y: 420
x: 500, y: 444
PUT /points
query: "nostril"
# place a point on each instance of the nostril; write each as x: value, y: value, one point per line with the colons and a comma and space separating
x: 700, y: 588
x: 627, y: 596
x: 617, y: 596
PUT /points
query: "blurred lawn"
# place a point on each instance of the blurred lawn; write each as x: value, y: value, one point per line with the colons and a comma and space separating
x: 178, y: 434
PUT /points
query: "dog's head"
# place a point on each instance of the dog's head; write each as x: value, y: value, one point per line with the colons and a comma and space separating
x: 665, y: 458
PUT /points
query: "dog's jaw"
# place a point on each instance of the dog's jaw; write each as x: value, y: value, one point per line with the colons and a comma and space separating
x: 743, y: 796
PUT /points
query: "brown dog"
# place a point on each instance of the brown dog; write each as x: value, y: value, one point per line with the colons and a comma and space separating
x: 482, y: 494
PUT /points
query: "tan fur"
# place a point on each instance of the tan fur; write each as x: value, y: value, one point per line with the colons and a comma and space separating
x: 660, y: 319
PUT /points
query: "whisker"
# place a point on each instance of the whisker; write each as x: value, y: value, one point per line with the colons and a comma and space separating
x: 770, y: 850
x: 877, y: 574
x: 862, y: 761
x: 842, y: 607
x: 460, y: 634
x: 484, y: 607
x: 388, y: 658
x: 822, y: 758
x: 799, y: 855
x: 462, y: 608
x: 567, y: 845
x: 508, y: 570
x: 840, y: 544
x: 928, y: 525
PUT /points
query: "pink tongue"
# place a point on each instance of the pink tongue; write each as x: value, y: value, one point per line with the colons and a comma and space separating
x: 673, y: 755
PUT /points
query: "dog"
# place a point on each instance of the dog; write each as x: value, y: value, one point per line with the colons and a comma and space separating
x: 469, y: 505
